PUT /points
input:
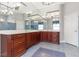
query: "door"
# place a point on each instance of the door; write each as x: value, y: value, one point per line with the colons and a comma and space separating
x: 71, y: 29
x: 78, y: 31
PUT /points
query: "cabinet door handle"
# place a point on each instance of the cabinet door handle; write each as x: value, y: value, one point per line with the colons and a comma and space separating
x: 19, y: 42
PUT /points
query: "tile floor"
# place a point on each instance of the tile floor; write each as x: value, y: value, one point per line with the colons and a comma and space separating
x: 69, y: 50
x: 44, y: 52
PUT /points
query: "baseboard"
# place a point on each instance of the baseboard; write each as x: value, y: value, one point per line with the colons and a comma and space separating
x: 62, y: 41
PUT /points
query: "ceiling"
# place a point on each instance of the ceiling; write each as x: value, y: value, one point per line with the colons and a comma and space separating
x: 40, y: 8
x: 26, y: 7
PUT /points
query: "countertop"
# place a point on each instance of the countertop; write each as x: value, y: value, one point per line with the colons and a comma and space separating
x: 21, y: 31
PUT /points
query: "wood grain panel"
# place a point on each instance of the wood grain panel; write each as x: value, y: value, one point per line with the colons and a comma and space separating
x: 17, y: 44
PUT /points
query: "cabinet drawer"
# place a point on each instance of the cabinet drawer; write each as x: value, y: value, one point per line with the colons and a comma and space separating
x: 55, y: 33
x: 18, y: 43
x: 19, y: 49
x: 19, y: 53
x: 19, y: 38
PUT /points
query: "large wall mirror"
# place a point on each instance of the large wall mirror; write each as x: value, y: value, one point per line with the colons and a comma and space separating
x: 35, y: 25
x: 7, y: 22
x: 55, y: 18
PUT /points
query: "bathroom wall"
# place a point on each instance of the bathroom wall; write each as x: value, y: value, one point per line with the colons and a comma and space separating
x: 71, y: 11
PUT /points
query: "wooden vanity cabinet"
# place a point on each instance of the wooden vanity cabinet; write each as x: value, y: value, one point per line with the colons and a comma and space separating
x: 6, y: 45
x: 52, y: 37
x: 32, y: 39
x: 28, y: 40
x: 13, y: 45
x: 44, y: 36
x: 35, y: 37
x: 17, y: 44
x: 55, y: 37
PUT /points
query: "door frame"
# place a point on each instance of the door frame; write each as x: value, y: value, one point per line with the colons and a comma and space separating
x: 78, y: 30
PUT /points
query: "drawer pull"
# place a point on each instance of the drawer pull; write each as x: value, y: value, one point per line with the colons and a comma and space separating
x: 19, y: 42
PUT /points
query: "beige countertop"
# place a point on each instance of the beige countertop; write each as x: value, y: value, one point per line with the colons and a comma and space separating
x: 22, y: 31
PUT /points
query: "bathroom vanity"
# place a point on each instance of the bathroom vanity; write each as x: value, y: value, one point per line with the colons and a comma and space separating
x: 15, y: 43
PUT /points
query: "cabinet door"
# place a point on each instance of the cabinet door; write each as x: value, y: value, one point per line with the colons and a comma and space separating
x: 38, y: 37
x: 55, y: 37
x: 28, y: 40
x: 41, y: 36
x: 35, y: 37
x: 45, y: 36
x: 32, y: 38
x: 50, y: 36
x: 6, y: 45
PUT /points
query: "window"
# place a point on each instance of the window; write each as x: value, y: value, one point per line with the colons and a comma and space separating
x: 34, y: 25
x: 56, y: 23
x: 55, y: 17
x: 27, y: 25
x: 40, y: 26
